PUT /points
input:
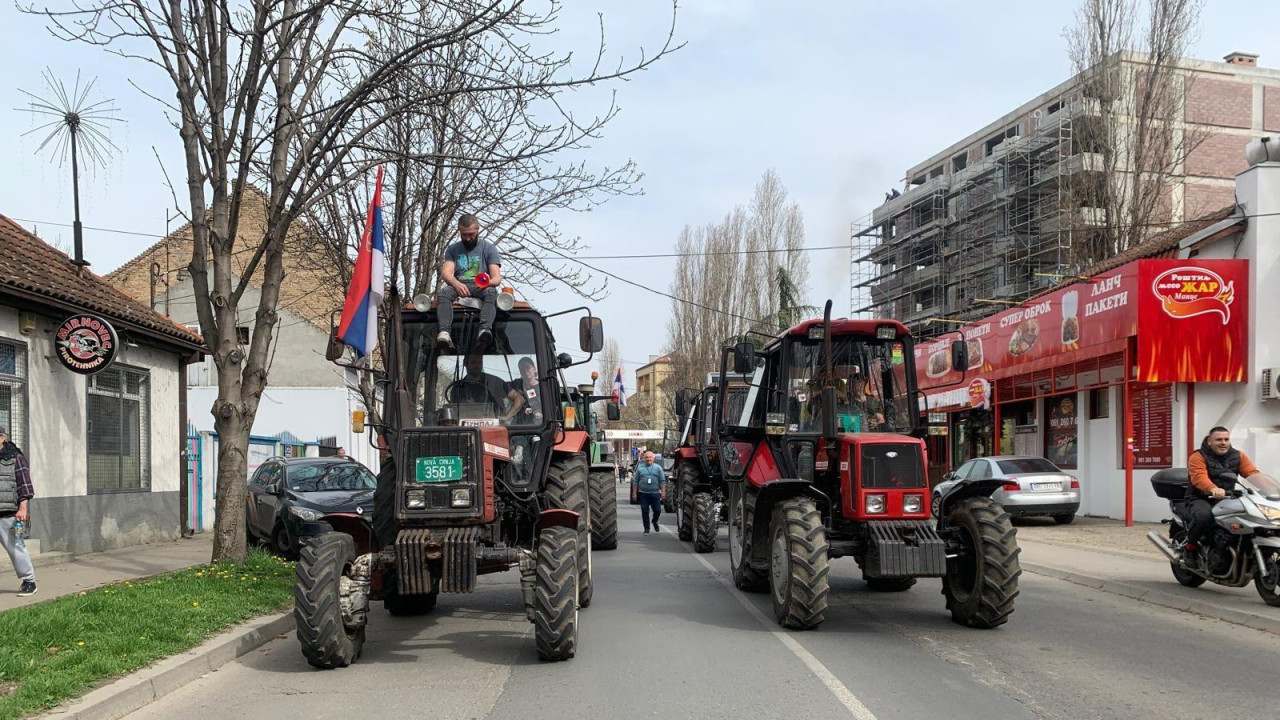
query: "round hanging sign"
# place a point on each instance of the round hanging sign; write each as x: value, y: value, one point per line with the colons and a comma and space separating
x: 86, y: 344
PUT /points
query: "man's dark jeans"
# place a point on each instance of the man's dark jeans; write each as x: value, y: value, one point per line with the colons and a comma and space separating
x: 488, y: 305
x: 1199, y: 513
x: 647, y: 501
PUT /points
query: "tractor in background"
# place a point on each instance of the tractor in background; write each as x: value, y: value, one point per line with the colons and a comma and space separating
x: 698, y: 485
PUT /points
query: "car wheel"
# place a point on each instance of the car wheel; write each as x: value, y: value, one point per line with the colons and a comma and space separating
x: 280, y: 542
x: 937, y: 505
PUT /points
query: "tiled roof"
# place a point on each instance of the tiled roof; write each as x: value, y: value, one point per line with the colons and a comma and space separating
x: 31, y: 266
x: 311, y: 287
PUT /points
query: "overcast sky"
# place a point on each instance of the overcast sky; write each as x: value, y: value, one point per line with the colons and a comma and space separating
x: 839, y: 96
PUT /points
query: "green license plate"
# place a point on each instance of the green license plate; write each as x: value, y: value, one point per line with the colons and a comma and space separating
x: 439, y: 469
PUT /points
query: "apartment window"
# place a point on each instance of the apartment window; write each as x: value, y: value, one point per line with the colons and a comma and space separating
x: 1000, y: 137
x: 118, y: 409
x: 13, y: 391
x: 960, y: 162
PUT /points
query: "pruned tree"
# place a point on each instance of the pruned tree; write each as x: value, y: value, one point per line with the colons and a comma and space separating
x: 609, y: 360
x: 1132, y: 75
x: 286, y: 95
x: 745, y: 273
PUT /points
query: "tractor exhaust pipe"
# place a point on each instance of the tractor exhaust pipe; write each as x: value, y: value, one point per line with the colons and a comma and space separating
x: 1163, y: 545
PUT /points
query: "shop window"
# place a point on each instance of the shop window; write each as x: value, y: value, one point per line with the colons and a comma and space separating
x: 118, y: 412
x: 1061, y: 437
x: 1099, y: 403
x: 13, y: 392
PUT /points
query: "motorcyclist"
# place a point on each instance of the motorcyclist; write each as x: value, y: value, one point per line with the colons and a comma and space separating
x: 1213, y: 470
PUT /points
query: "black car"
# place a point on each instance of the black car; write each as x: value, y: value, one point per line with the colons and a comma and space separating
x: 286, y: 492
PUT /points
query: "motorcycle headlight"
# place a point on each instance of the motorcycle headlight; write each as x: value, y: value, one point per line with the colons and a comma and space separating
x: 460, y: 497
x: 306, y: 514
x: 912, y: 503
x: 875, y: 504
x: 1273, y: 514
x: 415, y: 499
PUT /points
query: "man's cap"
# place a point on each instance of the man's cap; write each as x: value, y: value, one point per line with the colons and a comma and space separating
x: 3, y: 431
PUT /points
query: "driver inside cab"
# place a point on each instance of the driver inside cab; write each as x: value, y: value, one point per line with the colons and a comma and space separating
x: 479, y: 387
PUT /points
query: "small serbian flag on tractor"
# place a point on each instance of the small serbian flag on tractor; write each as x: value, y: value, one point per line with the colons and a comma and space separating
x: 359, y: 326
x: 619, y: 392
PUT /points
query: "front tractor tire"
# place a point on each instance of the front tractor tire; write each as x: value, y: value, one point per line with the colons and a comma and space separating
x: 704, y: 523
x: 982, y: 580
x: 686, y: 477
x: 798, y: 564
x: 327, y: 641
x: 568, y: 487
x: 555, y: 613
x: 604, y: 511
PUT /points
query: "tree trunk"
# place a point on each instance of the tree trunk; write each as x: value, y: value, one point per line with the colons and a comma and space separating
x: 232, y: 484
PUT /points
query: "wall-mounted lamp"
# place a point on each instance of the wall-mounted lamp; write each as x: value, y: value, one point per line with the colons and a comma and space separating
x: 26, y: 322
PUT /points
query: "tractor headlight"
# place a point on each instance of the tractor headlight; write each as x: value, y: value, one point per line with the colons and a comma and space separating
x: 415, y: 499
x: 875, y: 504
x: 460, y: 497
x: 1273, y: 514
x: 306, y: 514
x: 912, y: 503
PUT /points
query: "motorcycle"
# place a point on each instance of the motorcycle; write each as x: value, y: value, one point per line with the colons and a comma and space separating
x: 1242, y: 546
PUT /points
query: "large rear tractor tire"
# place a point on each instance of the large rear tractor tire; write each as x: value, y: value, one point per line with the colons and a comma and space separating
x: 1267, y: 579
x: 555, y: 615
x: 686, y: 477
x: 412, y: 605
x: 568, y: 487
x: 982, y: 580
x: 327, y: 641
x: 798, y: 564
x: 604, y: 512
x: 704, y: 523
x: 889, y: 584
x: 745, y: 577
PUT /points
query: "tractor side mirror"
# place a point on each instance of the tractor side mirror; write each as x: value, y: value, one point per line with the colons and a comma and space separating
x: 611, y: 411
x: 564, y: 360
x: 960, y: 355
x: 682, y: 403
x: 744, y: 358
x: 591, y: 334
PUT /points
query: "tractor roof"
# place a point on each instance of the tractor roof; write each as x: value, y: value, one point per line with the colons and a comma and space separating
x: 845, y: 326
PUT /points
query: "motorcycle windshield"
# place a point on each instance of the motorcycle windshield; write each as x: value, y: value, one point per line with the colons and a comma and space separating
x: 1264, y: 485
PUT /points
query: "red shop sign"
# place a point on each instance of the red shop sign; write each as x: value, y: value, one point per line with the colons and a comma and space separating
x: 1195, y: 321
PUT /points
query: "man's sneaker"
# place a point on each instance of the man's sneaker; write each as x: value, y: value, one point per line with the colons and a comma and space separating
x: 444, y: 341
x: 657, y: 527
x: 646, y: 531
x: 28, y: 588
x: 484, y: 338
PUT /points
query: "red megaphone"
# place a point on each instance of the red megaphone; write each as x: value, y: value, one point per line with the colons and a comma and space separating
x: 482, y: 280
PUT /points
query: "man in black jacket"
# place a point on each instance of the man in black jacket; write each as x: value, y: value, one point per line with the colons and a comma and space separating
x: 16, y: 492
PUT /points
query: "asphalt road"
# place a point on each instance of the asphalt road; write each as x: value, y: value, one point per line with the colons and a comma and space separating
x: 668, y: 636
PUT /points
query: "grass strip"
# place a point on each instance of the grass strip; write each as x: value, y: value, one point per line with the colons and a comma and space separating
x: 54, y: 651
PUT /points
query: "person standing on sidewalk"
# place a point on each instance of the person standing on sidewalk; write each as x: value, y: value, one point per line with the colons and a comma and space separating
x: 651, y: 486
x: 15, y: 495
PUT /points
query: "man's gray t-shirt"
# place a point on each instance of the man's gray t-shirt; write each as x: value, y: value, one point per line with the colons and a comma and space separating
x: 468, y: 263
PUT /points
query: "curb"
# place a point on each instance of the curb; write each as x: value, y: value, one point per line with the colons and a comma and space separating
x: 139, y: 689
x: 1155, y: 597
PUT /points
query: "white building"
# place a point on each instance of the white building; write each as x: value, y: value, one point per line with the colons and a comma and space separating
x: 105, y: 448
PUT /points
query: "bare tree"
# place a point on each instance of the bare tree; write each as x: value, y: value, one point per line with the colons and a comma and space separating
x: 1132, y: 75
x: 285, y: 94
x: 609, y: 361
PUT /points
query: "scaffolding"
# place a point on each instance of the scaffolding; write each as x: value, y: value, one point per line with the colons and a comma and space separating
x: 964, y: 242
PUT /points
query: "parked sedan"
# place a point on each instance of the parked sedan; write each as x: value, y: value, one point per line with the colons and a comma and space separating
x: 1032, y: 486
x: 286, y: 492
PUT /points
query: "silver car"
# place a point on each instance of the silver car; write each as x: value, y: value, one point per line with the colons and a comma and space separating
x: 1033, y: 486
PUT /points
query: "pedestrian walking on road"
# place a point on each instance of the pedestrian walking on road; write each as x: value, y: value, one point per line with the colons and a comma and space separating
x: 16, y: 492
x: 651, y: 486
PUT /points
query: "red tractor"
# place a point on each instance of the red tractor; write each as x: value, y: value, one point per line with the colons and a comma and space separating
x: 697, y: 482
x: 823, y: 459
x: 486, y: 472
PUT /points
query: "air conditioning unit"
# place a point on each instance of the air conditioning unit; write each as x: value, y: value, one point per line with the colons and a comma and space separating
x: 1271, y: 384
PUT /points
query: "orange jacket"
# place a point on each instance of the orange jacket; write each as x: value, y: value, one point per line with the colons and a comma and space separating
x: 1200, y: 475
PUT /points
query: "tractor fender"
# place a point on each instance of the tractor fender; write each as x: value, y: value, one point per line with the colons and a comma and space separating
x: 573, y: 441
x: 357, y: 526
x: 772, y: 493
x: 603, y: 467
x: 963, y: 491
x: 557, y: 517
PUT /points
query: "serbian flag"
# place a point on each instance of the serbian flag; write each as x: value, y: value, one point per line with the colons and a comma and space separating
x: 359, y: 326
x: 619, y: 392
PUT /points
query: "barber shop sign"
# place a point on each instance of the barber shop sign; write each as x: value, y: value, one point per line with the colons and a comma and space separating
x: 86, y: 344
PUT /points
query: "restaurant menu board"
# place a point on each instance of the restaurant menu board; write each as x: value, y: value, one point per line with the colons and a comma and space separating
x: 1152, y: 426
x: 1194, y: 318
x: 1061, y: 438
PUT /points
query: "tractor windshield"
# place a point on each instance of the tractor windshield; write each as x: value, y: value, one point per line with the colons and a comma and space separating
x: 869, y: 377
x: 498, y: 384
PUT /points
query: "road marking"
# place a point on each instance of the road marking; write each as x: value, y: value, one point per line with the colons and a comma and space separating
x: 837, y: 688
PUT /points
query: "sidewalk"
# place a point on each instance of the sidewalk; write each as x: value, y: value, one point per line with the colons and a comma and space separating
x: 63, y: 574
x: 1104, y: 554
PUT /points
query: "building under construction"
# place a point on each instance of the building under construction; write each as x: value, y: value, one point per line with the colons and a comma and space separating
x: 991, y: 220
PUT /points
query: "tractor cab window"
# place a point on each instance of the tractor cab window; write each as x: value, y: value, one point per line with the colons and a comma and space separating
x: 497, y: 384
x: 869, y: 378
